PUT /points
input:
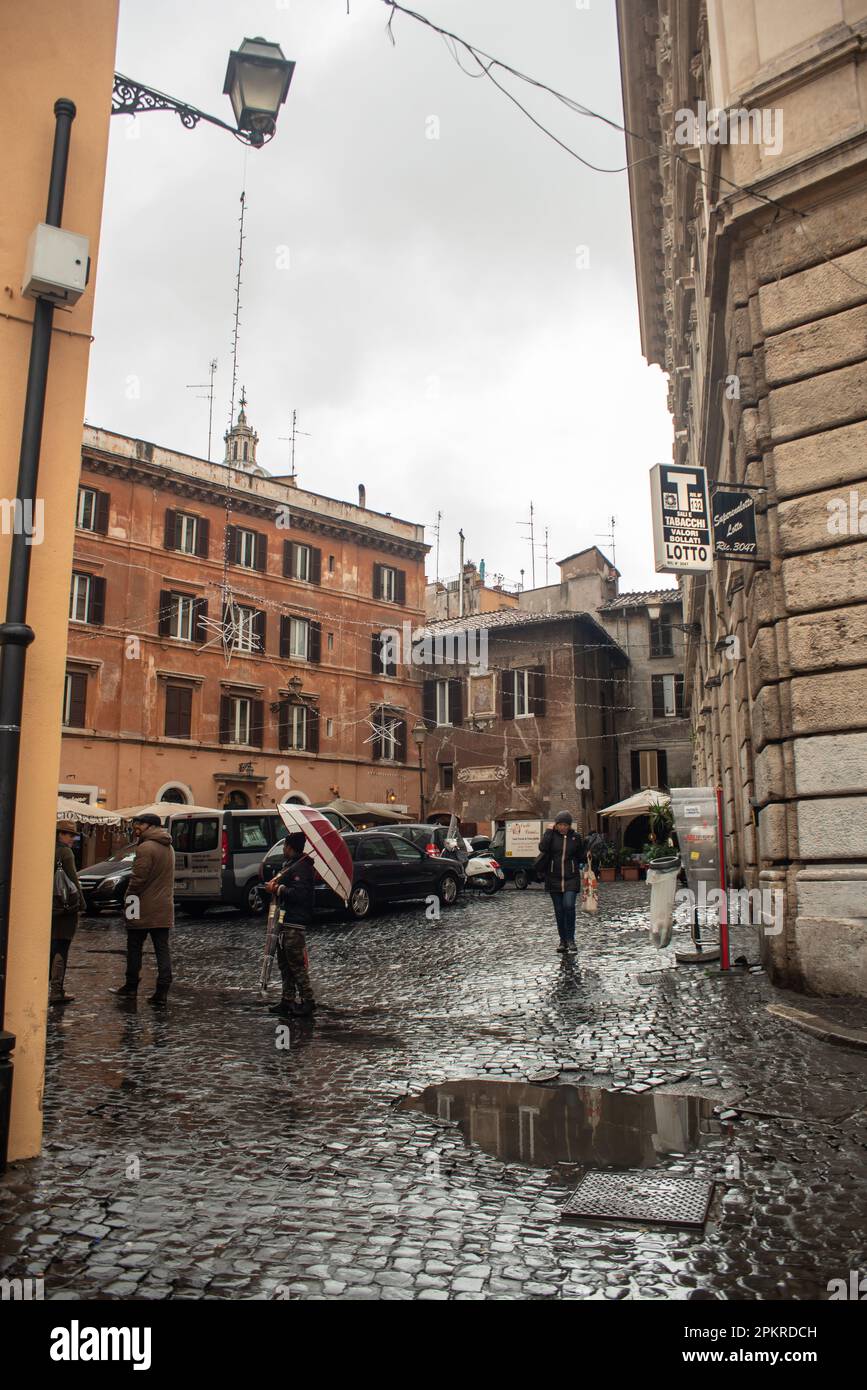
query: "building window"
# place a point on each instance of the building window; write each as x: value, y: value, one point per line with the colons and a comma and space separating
x: 299, y: 727
x: 389, y: 584
x: 179, y: 711
x: 660, y: 636
x: 331, y: 641
x: 183, y: 616
x: 523, y: 693
x: 331, y: 564
x: 241, y: 720
x: 447, y: 777
x: 443, y: 702
x: 87, y: 599
x: 86, y: 509
x: 302, y: 562
x: 667, y: 694
x: 74, y: 699
x: 246, y: 629
x: 383, y: 658
x: 300, y: 639
x: 187, y: 533
x: 246, y: 548
x: 389, y: 736
x: 329, y: 728
x: 523, y: 772
x: 648, y: 768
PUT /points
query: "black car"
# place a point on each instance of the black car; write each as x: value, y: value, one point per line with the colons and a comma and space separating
x: 385, y: 868
x: 104, y: 884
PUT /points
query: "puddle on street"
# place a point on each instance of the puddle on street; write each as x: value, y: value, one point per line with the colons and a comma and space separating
x: 546, y: 1125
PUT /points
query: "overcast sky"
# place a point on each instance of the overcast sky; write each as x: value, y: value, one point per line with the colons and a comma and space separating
x: 420, y: 302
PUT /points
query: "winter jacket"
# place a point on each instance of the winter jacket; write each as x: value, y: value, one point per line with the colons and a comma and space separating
x: 560, y: 860
x: 295, y: 894
x: 150, y: 896
x: 63, y: 924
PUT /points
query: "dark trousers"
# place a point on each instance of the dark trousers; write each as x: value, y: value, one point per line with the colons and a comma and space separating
x: 135, y: 939
x: 292, y: 959
x: 564, y: 911
x: 57, y: 964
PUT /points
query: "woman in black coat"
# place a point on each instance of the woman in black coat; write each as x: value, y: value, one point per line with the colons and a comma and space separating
x: 561, y: 852
x: 63, y: 924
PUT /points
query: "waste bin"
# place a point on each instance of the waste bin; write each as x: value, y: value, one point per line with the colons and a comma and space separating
x: 662, y: 877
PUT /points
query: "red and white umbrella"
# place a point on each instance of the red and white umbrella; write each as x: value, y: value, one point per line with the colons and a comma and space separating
x: 325, y: 845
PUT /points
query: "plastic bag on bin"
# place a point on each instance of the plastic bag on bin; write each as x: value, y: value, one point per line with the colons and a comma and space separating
x: 662, y: 877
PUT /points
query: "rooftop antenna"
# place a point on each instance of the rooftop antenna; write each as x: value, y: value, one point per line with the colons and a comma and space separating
x: 532, y: 539
x: 208, y: 388
x: 436, y: 531
x: 237, y: 323
x: 290, y: 438
x: 609, y: 537
x: 546, y: 555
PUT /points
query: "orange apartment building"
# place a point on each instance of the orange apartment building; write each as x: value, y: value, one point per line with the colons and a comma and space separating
x: 222, y: 635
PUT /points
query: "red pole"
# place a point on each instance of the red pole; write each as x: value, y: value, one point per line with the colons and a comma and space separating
x: 724, y: 910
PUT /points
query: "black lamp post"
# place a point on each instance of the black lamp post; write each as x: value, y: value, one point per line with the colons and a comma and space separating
x: 419, y: 734
x: 257, y: 82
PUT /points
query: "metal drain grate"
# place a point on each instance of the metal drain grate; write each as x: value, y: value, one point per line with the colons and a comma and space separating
x: 646, y: 1197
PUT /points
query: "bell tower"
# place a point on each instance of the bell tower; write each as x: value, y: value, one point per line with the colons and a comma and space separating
x: 241, y: 441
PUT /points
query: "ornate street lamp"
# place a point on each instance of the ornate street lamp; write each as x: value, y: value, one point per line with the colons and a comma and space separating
x: 419, y: 735
x: 257, y: 81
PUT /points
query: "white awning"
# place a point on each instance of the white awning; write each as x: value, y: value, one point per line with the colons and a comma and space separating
x: 637, y: 805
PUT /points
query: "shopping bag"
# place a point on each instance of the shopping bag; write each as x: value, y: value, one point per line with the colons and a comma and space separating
x: 589, y: 895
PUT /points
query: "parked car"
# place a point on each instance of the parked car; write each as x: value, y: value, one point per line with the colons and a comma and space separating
x: 218, y: 854
x: 104, y: 884
x: 385, y: 868
x: 429, y: 837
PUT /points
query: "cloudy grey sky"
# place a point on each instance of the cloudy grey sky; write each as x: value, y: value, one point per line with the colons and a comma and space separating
x: 422, y: 303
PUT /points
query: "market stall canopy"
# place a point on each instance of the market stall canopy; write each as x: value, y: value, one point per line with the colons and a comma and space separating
x: 637, y: 805
x: 357, y: 810
x: 83, y: 811
x: 163, y: 808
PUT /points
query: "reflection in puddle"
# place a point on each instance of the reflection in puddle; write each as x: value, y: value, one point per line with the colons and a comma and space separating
x: 545, y: 1125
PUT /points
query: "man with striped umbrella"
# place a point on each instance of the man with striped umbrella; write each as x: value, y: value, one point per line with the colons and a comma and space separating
x: 313, y: 847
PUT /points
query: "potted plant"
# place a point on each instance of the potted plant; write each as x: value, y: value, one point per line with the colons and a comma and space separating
x: 608, y: 865
x: 628, y: 866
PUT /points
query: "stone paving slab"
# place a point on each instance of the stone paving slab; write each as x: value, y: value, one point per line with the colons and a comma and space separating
x: 190, y: 1153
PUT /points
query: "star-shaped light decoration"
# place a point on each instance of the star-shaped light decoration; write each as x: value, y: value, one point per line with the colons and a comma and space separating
x: 229, y: 630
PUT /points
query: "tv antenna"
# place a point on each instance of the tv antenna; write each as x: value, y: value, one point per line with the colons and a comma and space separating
x: 236, y: 330
x: 609, y: 537
x: 290, y: 439
x: 436, y: 531
x: 532, y: 540
x: 208, y: 388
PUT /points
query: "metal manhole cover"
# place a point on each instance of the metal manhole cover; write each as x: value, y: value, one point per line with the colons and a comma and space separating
x: 639, y: 1197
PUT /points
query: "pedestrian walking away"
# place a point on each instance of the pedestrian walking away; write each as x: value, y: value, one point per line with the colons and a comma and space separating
x: 149, y: 906
x: 295, y: 886
x: 561, y: 851
x: 65, y: 909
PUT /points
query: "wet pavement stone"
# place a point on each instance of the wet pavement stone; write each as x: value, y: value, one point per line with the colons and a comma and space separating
x: 189, y: 1153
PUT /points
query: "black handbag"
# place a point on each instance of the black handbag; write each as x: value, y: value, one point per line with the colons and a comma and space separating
x: 66, y: 896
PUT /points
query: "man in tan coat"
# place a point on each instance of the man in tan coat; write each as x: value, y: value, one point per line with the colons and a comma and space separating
x: 149, y: 907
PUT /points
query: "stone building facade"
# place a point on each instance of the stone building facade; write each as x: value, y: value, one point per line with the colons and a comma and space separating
x: 222, y: 632
x: 506, y: 742
x: 751, y: 260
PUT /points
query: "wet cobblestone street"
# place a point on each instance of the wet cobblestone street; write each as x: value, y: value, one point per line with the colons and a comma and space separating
x: 188, y: 1154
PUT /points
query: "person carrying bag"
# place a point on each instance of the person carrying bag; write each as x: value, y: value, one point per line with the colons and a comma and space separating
x: 560, y: 853
x: 67, y: 902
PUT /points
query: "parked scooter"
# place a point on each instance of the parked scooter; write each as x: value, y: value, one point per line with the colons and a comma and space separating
x: 480, y: 870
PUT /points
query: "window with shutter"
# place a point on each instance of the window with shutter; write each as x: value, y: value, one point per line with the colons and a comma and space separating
x: 96, y: 607
x: 314, y: 642
x: 79, y: 598
x: 257, y: 722
x: 660, y: 636
x: 169, y: 530
x: 536, y: 685
x: 179, y: 707
x: 203, y: 538
x: 201, y: 614
x: 507, y: 694
x: 261, y: 560
x: 312, y: 730
x: 103, y: 501
x: 456, y: 700
x: 658, y: 692
x: 429, y: 703
x: 315, y: 565
x: 75, y: 699
x: 86, y: 514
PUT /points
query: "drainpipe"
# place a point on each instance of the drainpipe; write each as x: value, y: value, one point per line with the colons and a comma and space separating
x: 15, y: 634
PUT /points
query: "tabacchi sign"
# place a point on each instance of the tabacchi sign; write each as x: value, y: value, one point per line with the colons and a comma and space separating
x: 681, y: 519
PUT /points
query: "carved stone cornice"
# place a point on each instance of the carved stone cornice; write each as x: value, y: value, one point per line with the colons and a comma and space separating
x: 178, y: 484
